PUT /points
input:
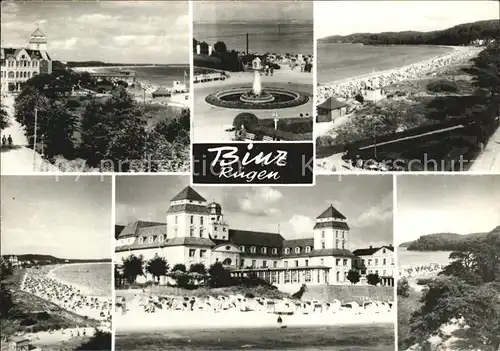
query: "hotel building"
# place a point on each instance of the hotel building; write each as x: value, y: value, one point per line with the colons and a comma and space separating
x: 196, y: 231
x: 20, y: 64
x: 376, y: 260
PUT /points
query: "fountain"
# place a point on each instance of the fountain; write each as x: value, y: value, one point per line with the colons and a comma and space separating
x: 257, y: 97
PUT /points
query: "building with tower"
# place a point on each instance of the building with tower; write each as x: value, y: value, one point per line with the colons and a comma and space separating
x: 195, y: 231
x: 20, y: 64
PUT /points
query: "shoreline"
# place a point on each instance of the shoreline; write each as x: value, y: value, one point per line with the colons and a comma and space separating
x: 87, y: 290
x: 192, y: 320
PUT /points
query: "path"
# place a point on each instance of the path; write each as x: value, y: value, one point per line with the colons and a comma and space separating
x: 489, y: 160
x: 19, y: 159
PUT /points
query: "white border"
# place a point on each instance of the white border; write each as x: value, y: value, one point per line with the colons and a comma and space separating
x: 113, y: 240
x: 396, y: 256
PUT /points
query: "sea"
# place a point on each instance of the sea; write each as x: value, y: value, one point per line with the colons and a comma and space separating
x: 337, y: 338
x: 341, y: 61
x: 96, y: 276
x: 421, y: 258
x: 158, y: 75
x: 296, y: 38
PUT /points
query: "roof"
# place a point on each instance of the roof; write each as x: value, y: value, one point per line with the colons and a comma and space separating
x: 33, y: 54
x: 247, y: 237
x: 331, y: 212
x: 332, y: 224
x: 187, y: 241
x: 190, y: 208
x: 371, y: 250
x: 331, y: 252
x: 188, y: 193
x: 332, y: 104
x: 118, y: 230
x: 132, y: 229
x: 299, y: 243
x: 162, y: 92
x: 38, y: 33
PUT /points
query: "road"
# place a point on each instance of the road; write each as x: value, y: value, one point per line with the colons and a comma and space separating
x: 20, y: 159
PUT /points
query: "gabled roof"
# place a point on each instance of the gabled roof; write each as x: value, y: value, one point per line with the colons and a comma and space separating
x: 332, y: 104
x: 132, y: 229
x: 247, y: 237
x: 33, y: 54
x: 331, y: 212
x: 371, y: 250
x: 299, y: 243
x: 188, y: 193
x: 38, y: 33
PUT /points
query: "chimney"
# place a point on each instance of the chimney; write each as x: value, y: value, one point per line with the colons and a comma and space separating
x: 371, y: 247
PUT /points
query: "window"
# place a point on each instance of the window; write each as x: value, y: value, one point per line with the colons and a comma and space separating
x: 191, y: 232
x: 253, y: 249
x: 307, y: 263
x: 285, y: 264
x: 215, y: 228
x: 337, y: 244
x: 297, y: 250
x: 201, y: 220
x: 192, y: 252
x: 323, y: 234
x: 287, y: 250
x: 345, y: 261
x: 201, y: 232
x: 337, y: 261
x: 275, y: 251
x: 264, y: 264
x: 296, y: 263
x: 263, y: 250
x: 224, y: 229
x: 150, y: 239
x: 338, y: 276
x: 322, y: 244
x: 141, y: 240
x: 242, y: 248
x: 376, y: 261
x: 254, y: 263
x: 343, y: 235
x: 191, y: 219
x: 369, y: 262
x: 307, y: 276
x: 161, y: 238
x: 287, y: 277
x: 385, y: 273
x: 308, y: 249
x: 322, y: 261
x: 275, y: 264
x: 384, y: 261
x: 383, y: 251
x: 203, y: 253
x: 343, y: 245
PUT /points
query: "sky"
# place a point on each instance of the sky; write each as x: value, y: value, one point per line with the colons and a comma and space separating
x: 252, y: 11
x: 366, y: 201
x: 446, y: 204
x: 347, y: 17
x: 109, y: 31
x: 66, y: 216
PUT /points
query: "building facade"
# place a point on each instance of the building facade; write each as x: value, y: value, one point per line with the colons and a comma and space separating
x: 196, y: 231
x: 20, y: 64
x: 376, y: 260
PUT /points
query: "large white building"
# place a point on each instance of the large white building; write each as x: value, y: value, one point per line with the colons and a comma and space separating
x: 20, y: 64
x: 196, y: 231
x: 377, y: 260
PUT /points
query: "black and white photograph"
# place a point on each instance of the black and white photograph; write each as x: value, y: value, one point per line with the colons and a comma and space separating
x: 259, y: 268
x: 56, y: 275
x: 403, y: 86
x: 253, y: 70
x: 448, y: 237
x: 95, y: 86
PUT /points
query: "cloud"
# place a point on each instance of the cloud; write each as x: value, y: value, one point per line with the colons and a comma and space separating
x: 380, y: 212
x: 65, y: 44
x: 259, y: 202
x: 301, y: 224
x: 95, y: 18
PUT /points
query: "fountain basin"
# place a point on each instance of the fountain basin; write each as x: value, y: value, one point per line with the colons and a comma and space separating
x: 268, y: 99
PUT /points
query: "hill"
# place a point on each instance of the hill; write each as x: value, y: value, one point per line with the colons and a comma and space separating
x: 462, y: 34
x: 451, y: 241
x: 55, y: 260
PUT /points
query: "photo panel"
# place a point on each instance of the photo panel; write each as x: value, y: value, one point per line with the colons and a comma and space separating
x: 406, y: 87
x: 253, y: 70
x: 56, y: 264
x: 266, y: 267
x: 448, y: 238
x: 109, y: 92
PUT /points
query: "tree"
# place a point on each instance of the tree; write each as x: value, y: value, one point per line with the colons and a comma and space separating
x: 219, y: 276
x: 486, y: 68
x: 220, y: 47
x: 373, y: 279
x: 56, y: 129
x: 198, y: 268
x: 179, y: 267
x: 133, y: 267
x: 4, y: 118
x: 353, y: 276
x: 403, y: 288
x: 99, y: 341
x: 157, y: 267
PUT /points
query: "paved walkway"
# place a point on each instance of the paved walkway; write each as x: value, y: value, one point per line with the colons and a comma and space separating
x: 489, y: 160
x: 20, y: 159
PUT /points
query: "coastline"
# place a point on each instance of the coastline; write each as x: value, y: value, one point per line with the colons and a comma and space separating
x: 84, y: 289
x: 192, y: 320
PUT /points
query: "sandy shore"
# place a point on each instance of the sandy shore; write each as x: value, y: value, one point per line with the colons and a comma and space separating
x: 135, y: 321
x: 84, y: 289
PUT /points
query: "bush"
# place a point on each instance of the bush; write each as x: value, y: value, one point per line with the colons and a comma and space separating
x: 442, y: 86
x: 249, y: 120
x: 73, y: 103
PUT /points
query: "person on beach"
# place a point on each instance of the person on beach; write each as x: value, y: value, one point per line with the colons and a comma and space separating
x: 4, y: 141
x: 280, y: 321
x: 9, y: 139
